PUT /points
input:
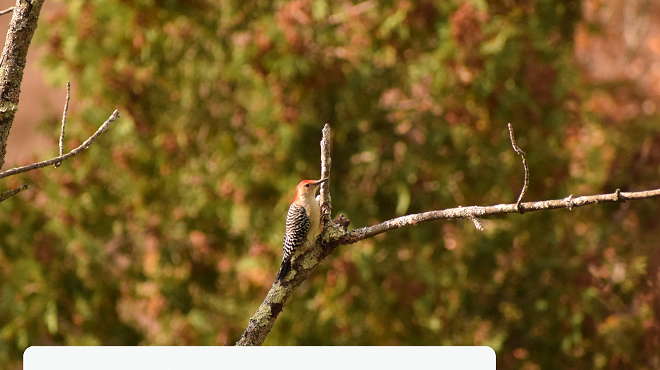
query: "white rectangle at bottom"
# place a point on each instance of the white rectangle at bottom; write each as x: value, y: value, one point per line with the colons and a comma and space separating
x: 272, y: 358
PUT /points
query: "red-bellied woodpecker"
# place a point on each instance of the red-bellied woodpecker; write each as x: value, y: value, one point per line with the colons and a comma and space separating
x: 302, y: 223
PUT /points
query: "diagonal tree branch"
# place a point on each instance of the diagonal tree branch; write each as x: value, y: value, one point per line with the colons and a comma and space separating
x: 335, y: 234
x: 66, y: 156
x: 263, y: 320
x: 10, y: 193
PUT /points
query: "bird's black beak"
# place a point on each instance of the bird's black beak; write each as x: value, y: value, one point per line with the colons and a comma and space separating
x: 321, y: 181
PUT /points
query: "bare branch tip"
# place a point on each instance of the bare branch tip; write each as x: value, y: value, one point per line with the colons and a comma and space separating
x: 10, y: 193
x: 8, y: 10
x: 64, y: 157
x: 64, y: 114
x: 477, y: 223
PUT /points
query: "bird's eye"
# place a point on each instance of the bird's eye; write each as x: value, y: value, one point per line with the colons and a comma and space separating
x: 306, y: 185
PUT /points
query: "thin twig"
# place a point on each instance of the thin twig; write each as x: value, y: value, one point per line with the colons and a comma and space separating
x: 524, y: 161
x: 62, y: 158
x: 10, y: 193
x: 66, y: 110
x: 8, y: 10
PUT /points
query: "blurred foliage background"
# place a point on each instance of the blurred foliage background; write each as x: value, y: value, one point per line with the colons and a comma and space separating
x: 168, y: 230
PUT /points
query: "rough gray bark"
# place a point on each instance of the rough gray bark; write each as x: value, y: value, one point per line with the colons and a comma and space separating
x: 14, y: 56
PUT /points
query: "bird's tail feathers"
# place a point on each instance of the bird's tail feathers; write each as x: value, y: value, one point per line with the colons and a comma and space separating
x: 284, y: 269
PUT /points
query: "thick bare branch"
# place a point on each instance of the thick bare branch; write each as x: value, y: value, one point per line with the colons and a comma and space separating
x: 70, y: 154
x: 262, y: 322
x: 14, y: 55
x: 326, y: 162
x: 499, y: 209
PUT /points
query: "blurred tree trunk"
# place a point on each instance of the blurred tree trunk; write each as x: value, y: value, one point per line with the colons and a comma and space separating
x: 14, y: 56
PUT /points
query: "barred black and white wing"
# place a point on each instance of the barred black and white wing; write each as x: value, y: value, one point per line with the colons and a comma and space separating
x: 297, y: 227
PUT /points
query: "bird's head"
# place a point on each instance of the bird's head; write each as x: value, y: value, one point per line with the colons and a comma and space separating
x: 307, y: 188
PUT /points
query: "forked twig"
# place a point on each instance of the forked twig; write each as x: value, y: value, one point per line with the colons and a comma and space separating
x: 64, y: 157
